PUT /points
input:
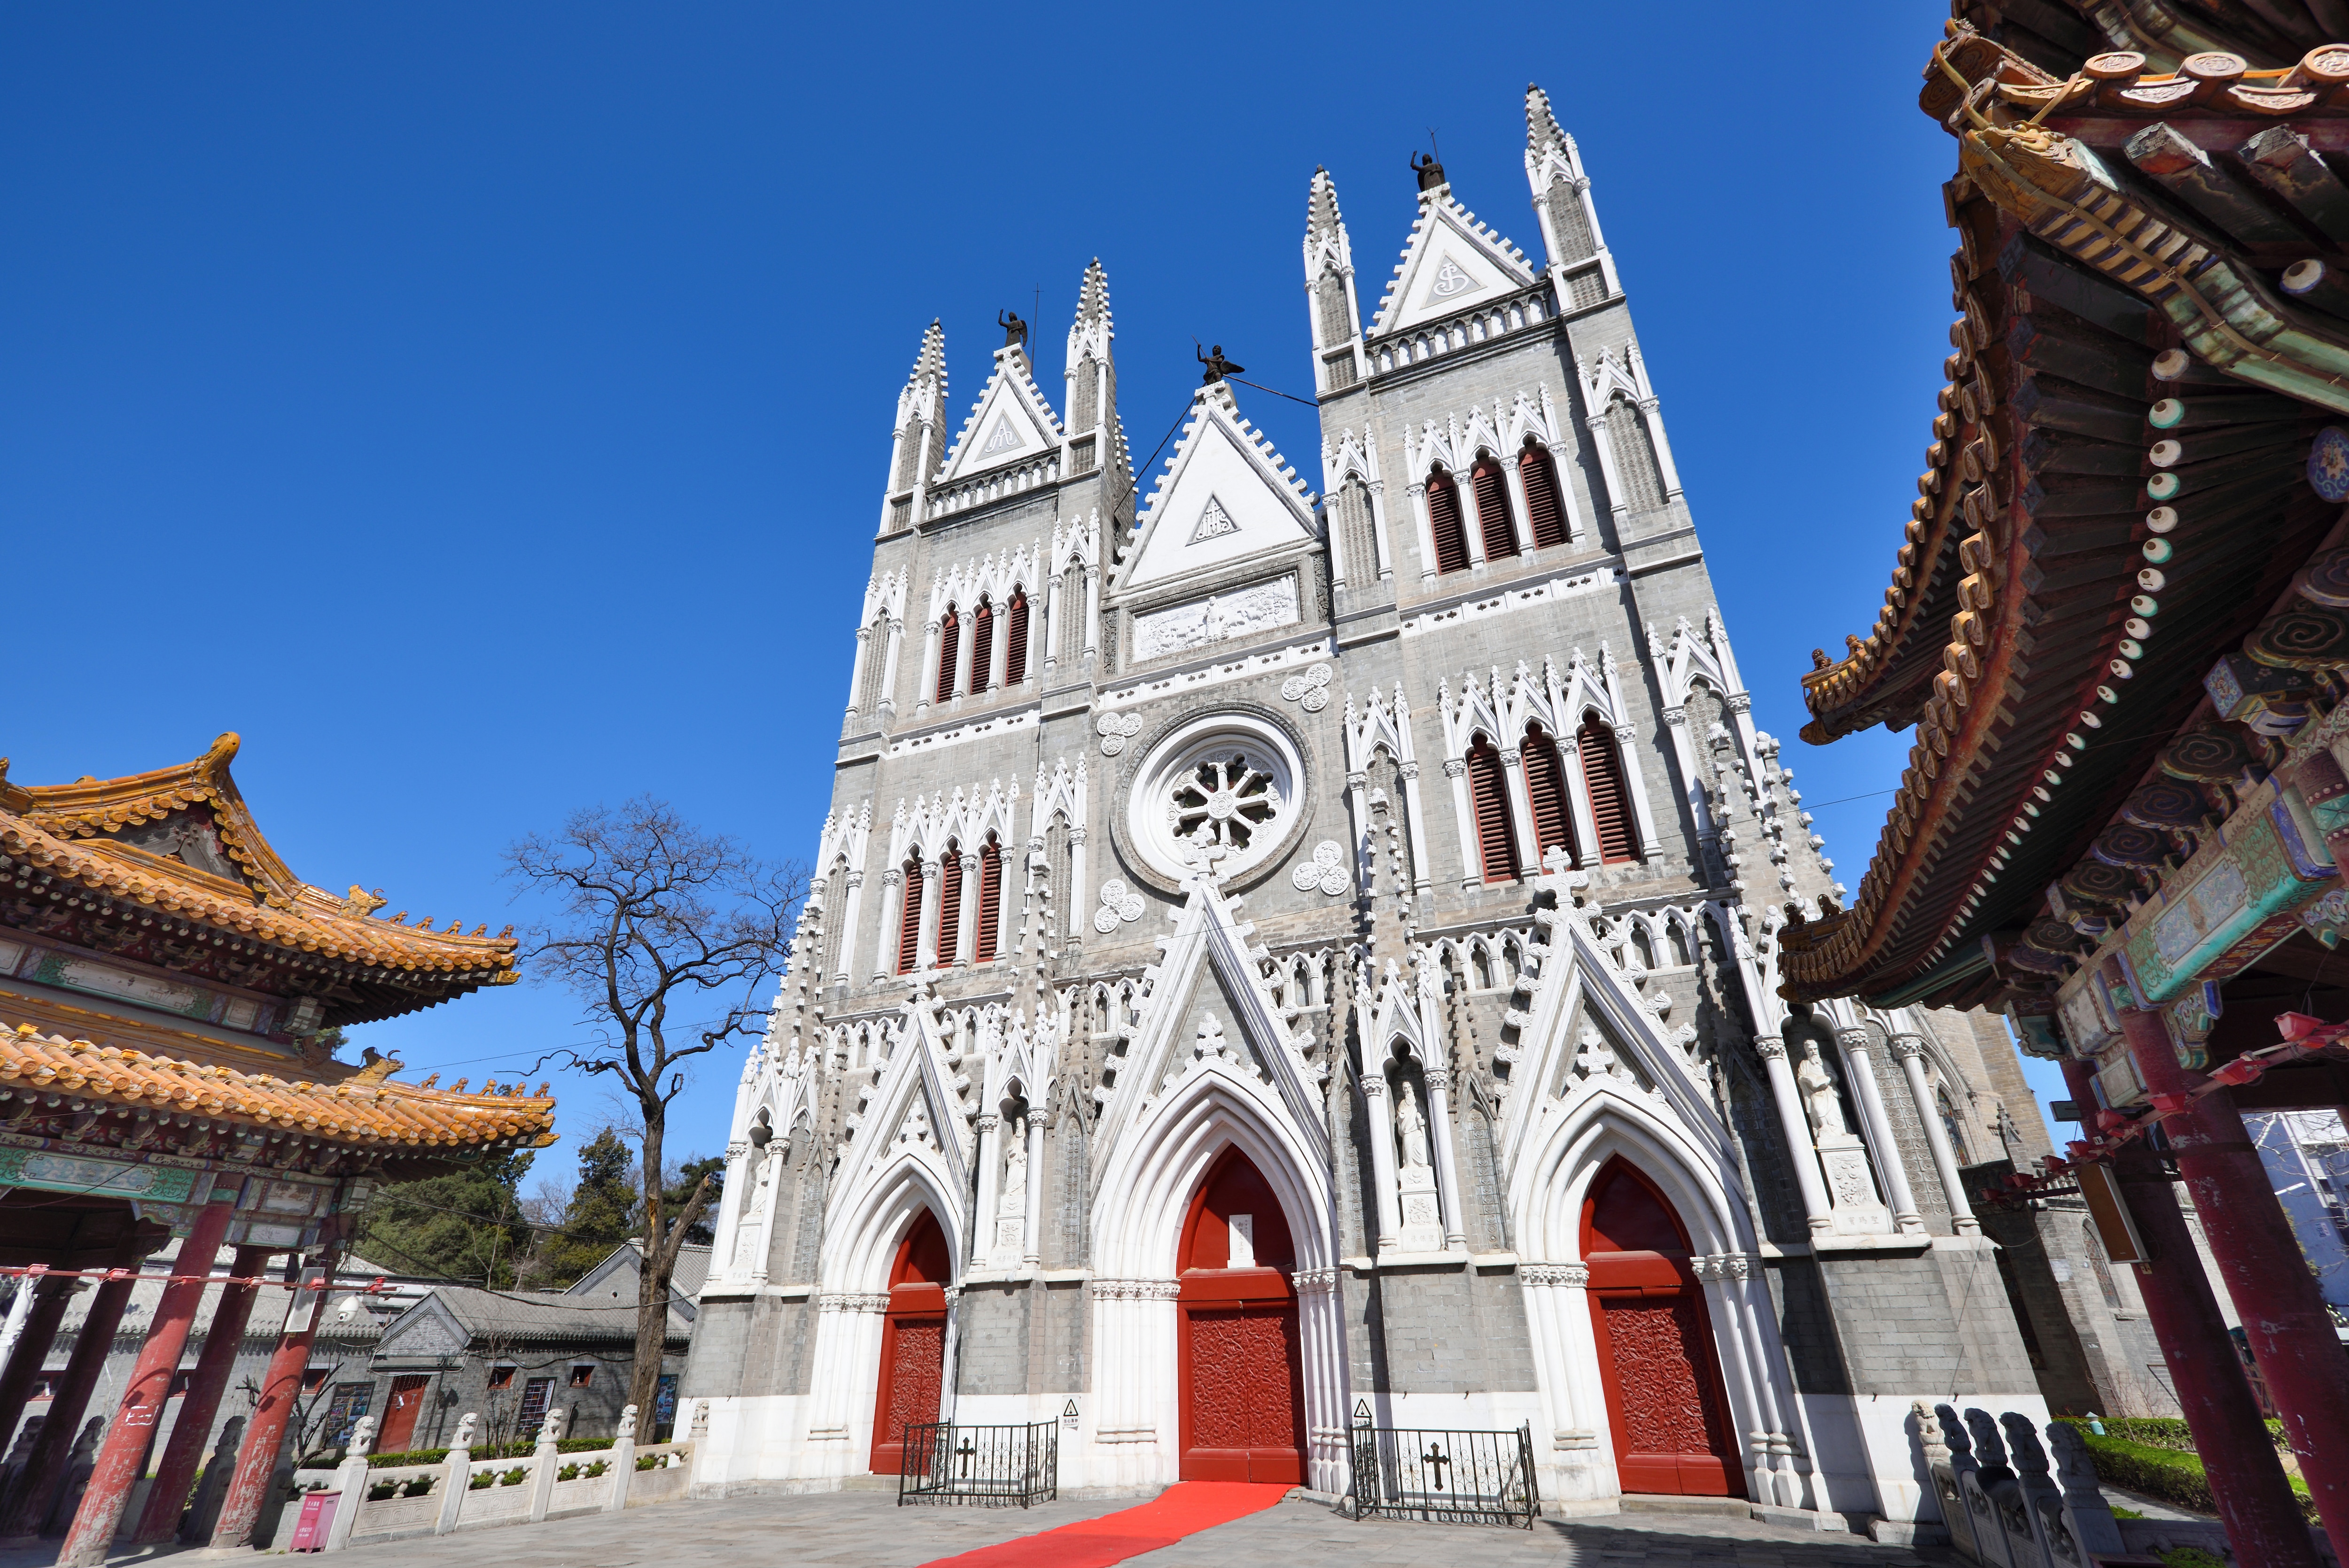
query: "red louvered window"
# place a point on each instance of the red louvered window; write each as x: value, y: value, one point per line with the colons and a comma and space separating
x: 1444, y: 521
x: 1488, y: 793
x: 1493, y: 507
x: 949, y: 904
x: 1545, y: 508
x: 990, y: 899
x: 1611, y: 797
x: 1014, y: 657
x: 949, y: 645
x: 982, y: 646
x: 1545, y: 790
x: 909, y: 921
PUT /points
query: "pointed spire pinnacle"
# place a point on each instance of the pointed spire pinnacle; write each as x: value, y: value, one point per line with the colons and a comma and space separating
x: 1321, y: 214
x: 931, y: 365
x: 1092, y: 295
x: 1543, y: 133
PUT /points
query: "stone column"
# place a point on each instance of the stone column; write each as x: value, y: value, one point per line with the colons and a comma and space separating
x: 48, y: 1295
x: 966, y: 926
x: 926, y: 954
x: 885, y: 705
x: 257, y: 1460
x: 1800, y: 1153
x: 1076, y: 914
x: 2255, y: 1501
x: 44, y: 1468
x: 1092, y: 611
x: 624, y: 1460
x: 998, y: 657
x: 1472, y: 517
x: 1857, y: 1055
x: 1447, y: 1166
x: 1054, y: 596
x: 2291, y: 1333
x: 1416, y: 823
x: 1358, y: 804
x: 545, y: 1458
x: 892, y: 907
x: 865, y: 653
x: 1383, y: 1156
x: 1521, y: 512
x: 1521, y: 825
x: 990, y: 1183
x: 457, y: 1474
x: 928, y: 688
x: 1626, y: 751
x: 123, y: 1456
x: 1909, y: 1050
x: 1556, y: 1301
x: 1463, y: 813
x: 1426, y: 533
x: 965, y: 647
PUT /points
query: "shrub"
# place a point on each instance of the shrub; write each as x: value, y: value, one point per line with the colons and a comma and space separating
x: 418, y: 1486
x: 599, y: 1467
x: 568, y: 1473
x: 647, y: 1461
x: 2166, y: 1473
x: 381, y: 1489
x: 518, y: 1448
x: 516, y: 1476
x: 2191, y: 1557
x: 2159, y: 1433
x: 487, y: 1477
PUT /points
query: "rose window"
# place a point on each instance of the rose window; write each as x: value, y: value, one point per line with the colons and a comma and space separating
x: 1220, y: 793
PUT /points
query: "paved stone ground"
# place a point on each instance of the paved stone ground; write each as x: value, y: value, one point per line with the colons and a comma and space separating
x: 869, y: 1527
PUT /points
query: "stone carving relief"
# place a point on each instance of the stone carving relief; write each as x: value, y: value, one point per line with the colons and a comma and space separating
x: 1215, y: 618
x: 1116, y: 730
x: 1118, y: 903
x: 1311, y: 690
x: 1326, y: 870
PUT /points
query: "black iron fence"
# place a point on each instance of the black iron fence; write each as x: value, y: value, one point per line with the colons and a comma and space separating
x: 1448, y: 1478
x: 1000, y: 1465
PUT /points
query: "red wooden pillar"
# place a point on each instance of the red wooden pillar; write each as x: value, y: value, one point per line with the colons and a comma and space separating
x: 128, y: 1435
x: 257, y: 1459
x: 2255, y: 1501
x: 2283, y: 1314
x: 44, y: 1468
x: 167, y: 1497
x: 40, y: 1331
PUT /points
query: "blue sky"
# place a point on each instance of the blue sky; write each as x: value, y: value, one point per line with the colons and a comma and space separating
x: 483, y: 409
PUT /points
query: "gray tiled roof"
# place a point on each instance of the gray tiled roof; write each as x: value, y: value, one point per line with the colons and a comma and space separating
x: 546, y: 1315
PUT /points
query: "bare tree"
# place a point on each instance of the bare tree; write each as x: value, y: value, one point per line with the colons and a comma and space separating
x: 658, y: 917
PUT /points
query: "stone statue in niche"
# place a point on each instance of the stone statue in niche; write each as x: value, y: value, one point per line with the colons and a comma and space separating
x: 1820, y: 1101
x: 1411, y: 1128
x: 1014, y: 1201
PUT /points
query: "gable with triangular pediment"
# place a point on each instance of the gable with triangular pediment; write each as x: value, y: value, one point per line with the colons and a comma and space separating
x: 1012, y: 421
x: 1453, y: 264
x: 1223, y: 502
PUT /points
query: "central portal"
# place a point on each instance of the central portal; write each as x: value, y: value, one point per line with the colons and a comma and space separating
x: 912, y: 1343
x: 1243, y: 1377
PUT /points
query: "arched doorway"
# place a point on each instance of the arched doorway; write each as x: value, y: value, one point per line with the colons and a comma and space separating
x: 1664, y: 1400
x: 1243, y: 1375
x: 913, y: 1342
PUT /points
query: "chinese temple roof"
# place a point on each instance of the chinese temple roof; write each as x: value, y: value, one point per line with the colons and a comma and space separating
x: 2153, y: 328
x: 109, y: 1100
x: 179, y: 842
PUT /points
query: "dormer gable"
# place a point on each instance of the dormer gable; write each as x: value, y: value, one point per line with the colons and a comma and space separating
x: 1227, y: 495
x: 1011, y: 421
x: 1451, y: 262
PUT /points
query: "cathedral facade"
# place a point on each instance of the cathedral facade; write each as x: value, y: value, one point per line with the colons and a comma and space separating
x: 1279, y: 960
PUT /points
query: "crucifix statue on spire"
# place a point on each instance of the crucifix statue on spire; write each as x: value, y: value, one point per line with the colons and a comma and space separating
x: 1015, y: 331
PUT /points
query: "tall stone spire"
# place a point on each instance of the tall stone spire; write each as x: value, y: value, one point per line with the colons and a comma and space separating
x: 919, y: 439
x: 1578, y: 259
x: 1330, y: 283
x: 1096, y: 438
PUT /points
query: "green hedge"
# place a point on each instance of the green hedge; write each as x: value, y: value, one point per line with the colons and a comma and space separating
x: 2175, y: 1477
x: 486, y: 1451
x: 2157, y: 1432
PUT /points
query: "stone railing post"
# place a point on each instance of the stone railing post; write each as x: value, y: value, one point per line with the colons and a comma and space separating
x: 2086, y: 1514
x: 542, y: 1463
x: 351, y: 1481
x: 624, y: 1461
x: 456, y: 1475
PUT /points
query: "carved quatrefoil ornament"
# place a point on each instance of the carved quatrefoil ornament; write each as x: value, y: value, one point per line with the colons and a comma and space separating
x: 1309, y: 691
x: 1326, y: 870
x: 1118, y: 903
x: 1116, y: 729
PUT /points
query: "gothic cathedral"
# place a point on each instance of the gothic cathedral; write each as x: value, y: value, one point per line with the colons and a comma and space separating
x: 1281, y: 961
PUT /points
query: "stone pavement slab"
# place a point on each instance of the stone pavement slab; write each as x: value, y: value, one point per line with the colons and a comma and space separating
x: 869, y: 1527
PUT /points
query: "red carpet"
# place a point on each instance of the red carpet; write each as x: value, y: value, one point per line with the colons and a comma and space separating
x: 1184, y: 1509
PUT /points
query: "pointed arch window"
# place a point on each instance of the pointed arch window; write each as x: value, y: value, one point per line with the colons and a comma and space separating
x: 1014, y: 657
x: 1444, y: 521
x: 909, y: 920
x: 1546, y: 791
x: 1544, y: 504
x: 949, y: 904
x: 982, y: 646
x: 1492, y: 487
x: 990, y: 899
x: 949, y: 645
x: 1611, y: 798
x: 1489, y: 793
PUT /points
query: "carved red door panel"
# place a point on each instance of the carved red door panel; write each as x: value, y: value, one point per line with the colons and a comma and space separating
x: 1243, y: 1377
x: 1656, y: 1360
x: 912, y: 1379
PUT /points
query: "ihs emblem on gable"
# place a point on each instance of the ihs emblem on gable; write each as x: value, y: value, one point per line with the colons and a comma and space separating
x: 1214, y: 523
x: 1004, y: 440
x: 1450, y: 282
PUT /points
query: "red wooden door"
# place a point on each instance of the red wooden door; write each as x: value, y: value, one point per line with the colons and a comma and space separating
x: 399, y: 1416
x: 1243, y: 1394
x: 911, y: 1383
x: 1664, y: 1401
